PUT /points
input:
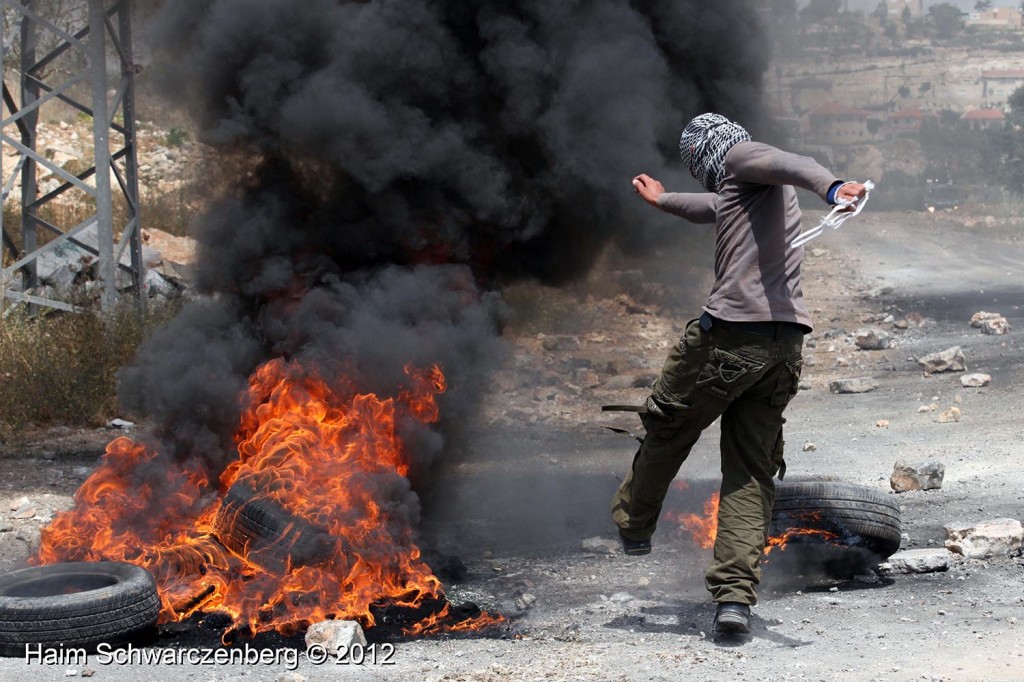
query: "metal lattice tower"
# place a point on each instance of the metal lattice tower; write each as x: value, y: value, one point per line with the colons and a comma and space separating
x: 105, y: 39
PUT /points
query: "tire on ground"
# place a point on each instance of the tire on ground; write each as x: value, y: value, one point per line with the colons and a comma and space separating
x: 860, y: 516
x: 260, y: 530
x: 75, y: 605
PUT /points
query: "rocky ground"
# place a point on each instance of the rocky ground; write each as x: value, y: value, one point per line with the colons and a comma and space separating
x: 525, y: 503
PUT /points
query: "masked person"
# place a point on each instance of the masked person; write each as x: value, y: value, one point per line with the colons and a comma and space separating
x: 740, y: 360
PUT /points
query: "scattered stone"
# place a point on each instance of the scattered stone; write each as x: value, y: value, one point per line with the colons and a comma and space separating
x: 998, y: 537
x: 122, y: 424
x: 805, y: 385
x: 290, y: 677
x: 525, y: 601
x: 337, y: 636
x: 949, y: 360
x: 599, y: 545
x: 881, y: 290
x: 997, y: 327
x: 860, y: 385
x: 882, y: 423
x: 17, y: 504
x: 953, y: 414
x: 585, y: 377
x: 643, y: 581
x: 871, y: 339
x: 979, y: 318
x: 88, y: 672
x: 928, y: 408
x: 925, y: 476
x: 975, y: 380
x: 624, y: 381
x: 26, y: 510
x: 810, y: 447
x: 900, y: 324
x: 560, y: 343
x: 70, y: 672
x: 545, y: 393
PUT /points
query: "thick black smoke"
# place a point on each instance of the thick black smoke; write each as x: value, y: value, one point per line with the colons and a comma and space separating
x: 405, y: 159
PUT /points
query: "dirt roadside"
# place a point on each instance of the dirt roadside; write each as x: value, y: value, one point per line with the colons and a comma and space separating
x: 535, y: 476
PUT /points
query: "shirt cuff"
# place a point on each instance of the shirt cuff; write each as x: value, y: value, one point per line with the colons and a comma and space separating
x: 830, y: 197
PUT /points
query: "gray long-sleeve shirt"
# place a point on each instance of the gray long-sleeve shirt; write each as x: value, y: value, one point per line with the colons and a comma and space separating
x: 757, y: 275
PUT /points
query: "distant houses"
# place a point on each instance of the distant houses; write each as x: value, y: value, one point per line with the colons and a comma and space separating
x: 983, y: 119
x: 997, y: 85
x: 908, y: 122
x: 837, y: 124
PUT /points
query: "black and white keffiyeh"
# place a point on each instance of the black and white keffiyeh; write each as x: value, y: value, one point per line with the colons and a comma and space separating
x: 705, y: 142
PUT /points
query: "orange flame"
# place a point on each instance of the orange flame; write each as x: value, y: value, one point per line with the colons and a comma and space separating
x: 704, y: 529
x: 780, y: 541
x: 329, y: 458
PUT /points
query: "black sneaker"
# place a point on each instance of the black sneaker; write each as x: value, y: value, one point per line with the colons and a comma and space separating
x: 732, y: 618
x: 635, y: 547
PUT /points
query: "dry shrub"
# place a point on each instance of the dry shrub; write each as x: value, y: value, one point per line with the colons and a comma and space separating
x: 60, y: 368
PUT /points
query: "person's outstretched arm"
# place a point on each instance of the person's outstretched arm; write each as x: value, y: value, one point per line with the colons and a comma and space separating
x: 697, y: 208
x: 763, y: 164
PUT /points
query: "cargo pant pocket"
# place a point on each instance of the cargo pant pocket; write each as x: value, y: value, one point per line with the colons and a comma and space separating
x: 788, y: 384
x: 726, y: 375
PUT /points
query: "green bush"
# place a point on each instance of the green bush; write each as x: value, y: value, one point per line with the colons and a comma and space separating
x: 60, y: 368
x: 176, y: 137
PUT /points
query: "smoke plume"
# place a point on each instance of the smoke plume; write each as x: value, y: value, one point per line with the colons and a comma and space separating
x: 404, y: 159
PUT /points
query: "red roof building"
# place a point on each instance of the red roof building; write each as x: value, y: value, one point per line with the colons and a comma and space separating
x: 908, y: 121
x: 982, y: 119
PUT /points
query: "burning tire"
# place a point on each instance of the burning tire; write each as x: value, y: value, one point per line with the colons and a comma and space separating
x: 261, y: 531
x: 74, y: 605
x: 858, y: 516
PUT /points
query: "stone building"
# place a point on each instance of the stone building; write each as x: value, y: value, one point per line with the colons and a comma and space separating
x: 997, y: 85
x: 837, y: 124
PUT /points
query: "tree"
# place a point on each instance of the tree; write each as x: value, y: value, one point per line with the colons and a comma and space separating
x: 903, y: 91
x: 908, y: 22
x: 1016, y: 102
x: 946, y: 19
x: 818, y: 11
x: 982, y: 5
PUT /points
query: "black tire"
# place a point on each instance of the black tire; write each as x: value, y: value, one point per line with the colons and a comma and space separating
x: 859, y: 515
x: 79, y: 604
x: 260, y: 530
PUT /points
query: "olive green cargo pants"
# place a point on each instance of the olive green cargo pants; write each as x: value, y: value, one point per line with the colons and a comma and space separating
x: 747, y: 379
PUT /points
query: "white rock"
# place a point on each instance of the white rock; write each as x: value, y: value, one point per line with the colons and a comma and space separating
x: 925, y: 476
x: 290, y: 677
x: 949, y: 360
x: 953, y: 414
x: 860, y: 385
x: 975, y: 380
x: 978, y: 318
x: 998, y: 537
x: 337, y: 636
x: 599, y: 545
x: 120, y: 424
x: 871, y: 339
x: 917, y: 561
x: 996, y: 327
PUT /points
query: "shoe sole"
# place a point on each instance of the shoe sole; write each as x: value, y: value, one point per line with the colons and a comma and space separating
x: 640, y: 551
x: 731, y: 626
